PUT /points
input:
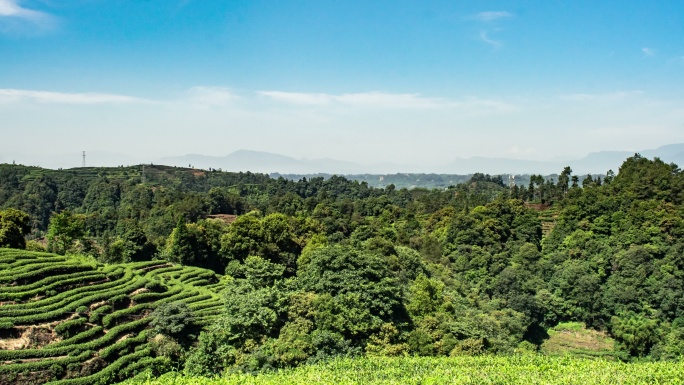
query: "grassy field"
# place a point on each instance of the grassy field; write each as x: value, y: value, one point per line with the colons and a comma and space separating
x: 500, y: 370
x: 70, y: 320
x: 574, y: 339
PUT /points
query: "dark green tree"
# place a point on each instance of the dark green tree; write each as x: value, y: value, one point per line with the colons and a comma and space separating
x: 172, y: 319
x: 14, y: 225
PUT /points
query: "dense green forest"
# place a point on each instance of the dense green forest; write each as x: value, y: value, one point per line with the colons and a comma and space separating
x: 431, y: 181
x: 404, y: 180
x: 319, y: 268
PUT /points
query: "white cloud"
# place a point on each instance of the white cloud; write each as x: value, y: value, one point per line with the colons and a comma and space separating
x: 9, y: 95
x: 14, y: 17
x: 11, y: 8
x: 367, y: 99
x: 611, y: 96
x: 648, y: 51
x: 362, y: 99
x: 489, y: 17
x: 485, y: 38
x: 492, y: 15
x: 215, y: 96
x: 369, y: 127
x: 386, y: 100
x: 298, y: 98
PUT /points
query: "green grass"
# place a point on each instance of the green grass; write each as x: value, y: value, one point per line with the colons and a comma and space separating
x: 574, y: 339
x: 499, y: 370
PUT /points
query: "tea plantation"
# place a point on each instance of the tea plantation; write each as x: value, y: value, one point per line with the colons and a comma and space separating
x: 526, y: 369
x: 67, y: 320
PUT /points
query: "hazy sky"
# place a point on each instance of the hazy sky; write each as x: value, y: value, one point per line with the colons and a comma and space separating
x: 397, y: 81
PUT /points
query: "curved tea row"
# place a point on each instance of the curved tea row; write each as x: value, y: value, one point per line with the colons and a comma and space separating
x: 67, y: 320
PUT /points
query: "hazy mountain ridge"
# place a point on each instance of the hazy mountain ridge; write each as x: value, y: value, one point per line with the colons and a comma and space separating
x: 271, y: 163
x: 264, y: 162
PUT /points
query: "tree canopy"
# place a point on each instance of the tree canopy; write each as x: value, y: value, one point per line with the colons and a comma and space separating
x: 320, y: 267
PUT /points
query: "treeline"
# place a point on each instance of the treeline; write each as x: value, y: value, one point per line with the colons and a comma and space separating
x: 112, y: 204
x: 322, y: 268
x: 436, y: 181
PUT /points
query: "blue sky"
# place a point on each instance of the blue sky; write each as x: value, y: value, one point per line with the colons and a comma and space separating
x: 414, y: 82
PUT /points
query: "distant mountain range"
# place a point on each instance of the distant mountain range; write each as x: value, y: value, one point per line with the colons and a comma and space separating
x: 264, y: 162
x: 594, y: 163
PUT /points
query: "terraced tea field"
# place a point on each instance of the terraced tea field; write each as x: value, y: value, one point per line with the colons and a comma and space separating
x: 529, y: 369
x: 66, y: 320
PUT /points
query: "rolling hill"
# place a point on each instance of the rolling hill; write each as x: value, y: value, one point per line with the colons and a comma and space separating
x: 70, y: 320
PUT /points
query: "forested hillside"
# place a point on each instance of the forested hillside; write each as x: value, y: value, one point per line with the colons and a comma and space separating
x: 320, y: 268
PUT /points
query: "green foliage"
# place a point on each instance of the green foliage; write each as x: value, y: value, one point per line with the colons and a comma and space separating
x: 66, y: 329
x: 132, y: 246
x: 635, y: 332
x: 165, y: 346
x: 251, y: 313
x: 320, y: 268
x: 514, y: 370
x: 14, y: 225
x: 385, y: 343
x: 172, y: 319
x: 357, y: 293
x: 272, y: 237
x: 262, y: 273
x: 426, y: 296
x: 64, y: 230
x: 89, y: 353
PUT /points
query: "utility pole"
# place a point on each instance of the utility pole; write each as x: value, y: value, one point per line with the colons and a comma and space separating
x: 83, y: 164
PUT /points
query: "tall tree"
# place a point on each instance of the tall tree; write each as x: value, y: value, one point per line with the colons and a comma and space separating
x: 64, y: 230
x: 14, y: 225
x: 564, y: 180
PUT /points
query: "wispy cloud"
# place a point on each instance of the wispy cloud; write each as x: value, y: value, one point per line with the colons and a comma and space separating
x: 214, y: 96
x: 382, y: 99
x: 297, y: 97
x: 648, y: 51
x: 386, y: 100
x: 610, y: 96
x: 487, y: 20
x: 223, y: 97
x: 11, y: 8
x: 9, y: 95
x: 14, y: 17
x: 363, y: 99
x: 484, y: 36
x: 492, y: 15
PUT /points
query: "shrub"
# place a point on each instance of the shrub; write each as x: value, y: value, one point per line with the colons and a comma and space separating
x: 172, y: 319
